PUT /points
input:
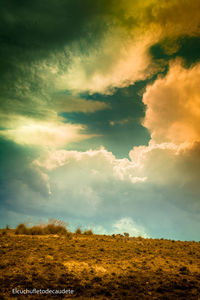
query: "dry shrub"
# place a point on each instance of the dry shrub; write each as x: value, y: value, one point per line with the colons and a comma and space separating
x: 51, y: 228
x: 78, y: 230
x: 55, y: 229
x: 88, y: 232
x: 126, y: 234
x: 36, y: 230
x: 21, y: 229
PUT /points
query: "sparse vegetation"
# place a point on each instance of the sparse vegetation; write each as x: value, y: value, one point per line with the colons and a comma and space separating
x: 97, y: 266
x: 42, y: 229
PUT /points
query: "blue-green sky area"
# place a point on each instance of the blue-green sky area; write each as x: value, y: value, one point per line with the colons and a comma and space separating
x: 118, y: 128
x: 99, y: 115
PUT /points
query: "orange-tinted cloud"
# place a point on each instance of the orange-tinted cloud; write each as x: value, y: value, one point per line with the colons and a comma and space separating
x: 173, y: 105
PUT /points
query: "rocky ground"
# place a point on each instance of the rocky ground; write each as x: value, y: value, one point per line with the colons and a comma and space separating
x: 98, y: 267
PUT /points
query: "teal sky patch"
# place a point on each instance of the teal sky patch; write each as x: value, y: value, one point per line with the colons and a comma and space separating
x: 119, y: 128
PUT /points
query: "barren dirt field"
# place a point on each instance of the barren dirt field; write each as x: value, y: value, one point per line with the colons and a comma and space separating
x: 99, y: 267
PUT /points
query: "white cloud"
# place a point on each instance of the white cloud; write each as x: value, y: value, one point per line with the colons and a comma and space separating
x: 172, y: 117
x: 101, y: 163
x: 128, y: 225
x: 168, y: 164
x: 51, y: 134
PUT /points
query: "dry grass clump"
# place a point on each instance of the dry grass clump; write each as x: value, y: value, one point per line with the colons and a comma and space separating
x: 42, y: 229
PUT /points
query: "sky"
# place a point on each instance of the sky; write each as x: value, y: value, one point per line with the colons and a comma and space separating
x: 100, y: 115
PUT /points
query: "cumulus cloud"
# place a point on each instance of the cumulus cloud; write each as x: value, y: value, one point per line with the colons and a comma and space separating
x: 173, y: 105
x: 157, y: 166
x: 173, y: 110
x: 170, y: 166
x: 94, y: 187
x: 128, y: 225
x: 101, y: 164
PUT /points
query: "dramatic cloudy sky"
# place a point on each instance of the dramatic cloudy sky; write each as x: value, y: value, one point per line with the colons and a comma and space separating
x: 100, y: 115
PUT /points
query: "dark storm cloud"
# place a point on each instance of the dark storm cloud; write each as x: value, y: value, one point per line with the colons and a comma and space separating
x: 29, y: 32
x: 188, y: 48
x: 46, y: 25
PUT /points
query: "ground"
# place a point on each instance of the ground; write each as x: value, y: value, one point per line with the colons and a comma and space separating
x: 99, y: 267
